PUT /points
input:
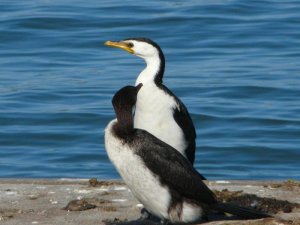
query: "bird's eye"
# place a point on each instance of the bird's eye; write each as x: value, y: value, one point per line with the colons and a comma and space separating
x: 130, y: 44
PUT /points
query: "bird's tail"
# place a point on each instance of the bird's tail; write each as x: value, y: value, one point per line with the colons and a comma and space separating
x: 242, y: 212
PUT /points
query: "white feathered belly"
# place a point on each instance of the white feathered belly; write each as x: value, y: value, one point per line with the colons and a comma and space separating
x: 154, y: 113
x: 142, y: 182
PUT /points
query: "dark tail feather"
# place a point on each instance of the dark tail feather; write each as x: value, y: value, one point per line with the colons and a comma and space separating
x: 243, y: 212
x: 202, y: 177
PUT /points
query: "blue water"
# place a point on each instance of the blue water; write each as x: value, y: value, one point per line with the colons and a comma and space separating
x: 235, y: 65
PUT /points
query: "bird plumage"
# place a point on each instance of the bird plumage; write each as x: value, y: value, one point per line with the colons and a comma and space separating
x: 158, y: 110
x: 161, y: 178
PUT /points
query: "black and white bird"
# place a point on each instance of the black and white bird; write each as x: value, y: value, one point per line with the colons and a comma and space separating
x: 159, y: 176
x: 158, y: 110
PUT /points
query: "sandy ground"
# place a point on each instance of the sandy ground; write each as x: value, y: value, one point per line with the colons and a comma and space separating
x: 84, y: 202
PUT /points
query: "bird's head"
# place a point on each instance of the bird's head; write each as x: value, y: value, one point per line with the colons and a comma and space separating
x: 123, y: 103
x: 141, y: 47
x: 147, y: 50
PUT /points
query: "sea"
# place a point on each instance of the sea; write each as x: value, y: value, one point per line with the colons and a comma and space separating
x: 235, y: 64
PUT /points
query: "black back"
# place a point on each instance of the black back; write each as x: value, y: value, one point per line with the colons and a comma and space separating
x: 172, y: 168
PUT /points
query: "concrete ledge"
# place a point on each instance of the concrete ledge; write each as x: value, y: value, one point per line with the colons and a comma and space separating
x: 82, y: 201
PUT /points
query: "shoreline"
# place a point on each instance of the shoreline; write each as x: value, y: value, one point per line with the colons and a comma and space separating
x: 91, y: 201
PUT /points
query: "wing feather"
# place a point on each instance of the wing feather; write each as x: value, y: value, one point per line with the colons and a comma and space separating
x: 185, y: 122
x: 173, y: 169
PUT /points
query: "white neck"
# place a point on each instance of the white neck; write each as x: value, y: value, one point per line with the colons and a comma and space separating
x: 151, y: 70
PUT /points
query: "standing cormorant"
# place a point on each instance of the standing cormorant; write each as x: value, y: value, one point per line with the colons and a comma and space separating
x: 158, y: 110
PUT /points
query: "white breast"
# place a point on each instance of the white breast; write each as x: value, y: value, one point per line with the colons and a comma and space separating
x: 144, y: 185
x: 154, y: 113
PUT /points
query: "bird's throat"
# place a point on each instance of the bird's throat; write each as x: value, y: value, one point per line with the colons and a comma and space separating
x: 154, y: 71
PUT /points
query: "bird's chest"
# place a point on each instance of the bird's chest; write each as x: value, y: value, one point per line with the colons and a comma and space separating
x: 154, y: 107
x: 142, y: 182
x: 124, y: 158
x: 154, y: 113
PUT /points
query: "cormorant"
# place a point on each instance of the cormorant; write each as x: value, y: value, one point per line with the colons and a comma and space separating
x: 159, y: 176
x: 158, y: 110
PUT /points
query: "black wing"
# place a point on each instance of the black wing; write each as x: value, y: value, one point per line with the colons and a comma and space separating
x: 184, y: 121
x: 173, y: 169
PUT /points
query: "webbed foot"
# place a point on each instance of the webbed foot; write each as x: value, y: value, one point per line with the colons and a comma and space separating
x: 145, y: 215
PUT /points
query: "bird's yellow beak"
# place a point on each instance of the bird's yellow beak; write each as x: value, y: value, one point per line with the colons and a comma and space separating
x: 120, y: 44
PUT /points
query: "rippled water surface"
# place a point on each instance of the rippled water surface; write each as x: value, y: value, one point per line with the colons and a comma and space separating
x: 235, y: 65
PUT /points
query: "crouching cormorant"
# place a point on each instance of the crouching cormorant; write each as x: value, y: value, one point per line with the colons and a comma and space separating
x: 159, y: 176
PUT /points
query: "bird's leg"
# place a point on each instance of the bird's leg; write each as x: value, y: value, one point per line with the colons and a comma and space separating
x: 205, y: 218
x: 144, y: 214
x: 164, y: 222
